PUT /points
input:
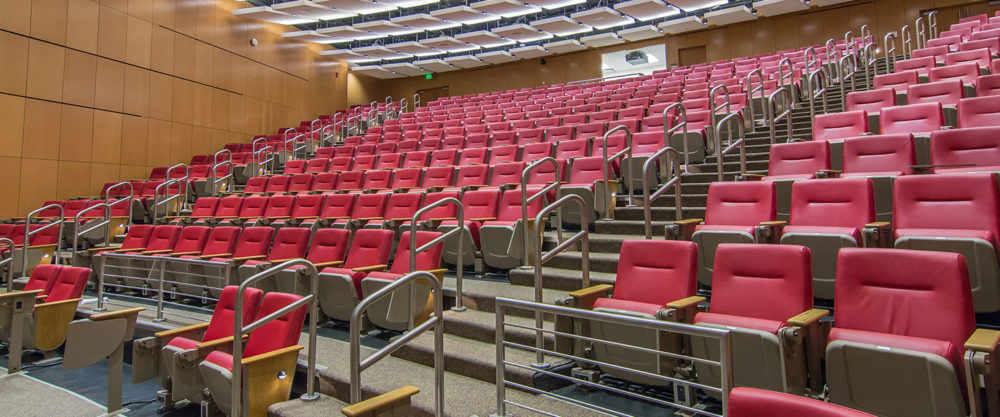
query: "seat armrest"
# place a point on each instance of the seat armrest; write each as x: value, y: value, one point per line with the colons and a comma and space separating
x: 472, y: 187
x: 185, y: 331
x: 681, y: 229
x: 247, y: 258
x: 116, y: 314
x: 194, y: 252
x: 369, y: 268
x: 104, y: 248
x: 8, y: 296
x: 585, y: 298
x: 398, y: 398
x: 681, y: 310
x: 217, y: 255
x: 806, y: 326
x: 749, y: 177
x: 878, y: 235
x: 808, y: 317
x: 482, y: 219
x: 983, y: 340
x: 121, y: 250
x: 326, y: 264
x: 151, y: 252
x: 393, y: 223
x: 827, y: 173
x: 202, y: 349
x: 769, y: 232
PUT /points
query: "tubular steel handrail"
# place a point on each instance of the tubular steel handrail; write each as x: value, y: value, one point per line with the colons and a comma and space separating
x: 711, y: 99
x: 416, y: 101
x: 8, y: 261
x: 907, y: 41
x: 157, y: 201
x: 358, y: 365
x: 741, y: 142
x: 781, y: 73
x: 160, y: 273
x: 312, y: 124
x: 583, y: 236
x: 460, y: 230
x: 847, y: 73
x: 675, y: 183
x: 404, y: 105
x: 525, y: 200
x: 724, y: 362
x: 126, y: 200
x: 870, y: 58
x: 213, y: 179
x: 628, y: 173
x: 682, y: 115
x: 182, y: 181
x: 816, y: 78
x: 264, y: 157
x: 786, y: 115
x: 340, y: 133
x: 921, y: 33
x: 294, y: 149
x: 28, y: 233
x: 866, y: 35
x: 890, y: 53
x: 832, y: 58
x: 932, y: 23
x: 254, y: 149
x: 750, y: 91
x: 810, y: 63
x: 90, y: 227
x: 239, y: 329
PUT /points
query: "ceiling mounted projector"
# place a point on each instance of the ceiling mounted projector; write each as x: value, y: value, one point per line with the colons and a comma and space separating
x: 636, y: 58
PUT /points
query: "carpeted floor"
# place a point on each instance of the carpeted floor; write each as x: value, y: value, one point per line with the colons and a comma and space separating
x: 27, y: 396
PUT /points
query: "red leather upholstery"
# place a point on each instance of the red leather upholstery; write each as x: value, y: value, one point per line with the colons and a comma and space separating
x: 253, y: 207
x: 389, y: 160
x: 307, y: 206
x: 835, y: 126
x: 988, y: 85
x: 364, y: 162
x: 946, y: 202
x: 425, y: 261
x: 473, y: 175
x: 891, y: 154
x: 289, y: 243
x: 369, y: 247
x: 277, y: 184
x: 917, y: 119
x: 69, y: 284
x: 369, y: 206
x: 300, y: 183
x: 317, y: 165
x: 295, y: 166
x: 967, y: 72
x: 192, y: 239
x: 255, y: 185
x: 536, y: 151
x: 937, y: 52
x: 589, y: 130
x: 43, y: 277
x: 350, y: 180
x: 377, y: 180
x: 979, y: 111
x: 798, y: 159
x: 752, y: 402
x: 980, y: 57
x: 898, y: 81
x: 136, y: 237
x: 402, y: 206
x: 509, y: 210
x: 509, y: 173
x: 325, y: 181
x: 444, y: 157
x: 947, y: 92
x: 221, y: 240
x: 831, y: 206
x: 328, y: 245
x: 740, y: 203
x: 652, y: 273
x: 871, y: 101
x: 162, y: 237
x: 438, y: 177
x: 221, y: 324
x: 277, y: 334
x: 338, y: 205
x: 279, y: 206
x: 975, y: 145
x: 416, y: 159
x: 254, y: 241
x: 921, y: 65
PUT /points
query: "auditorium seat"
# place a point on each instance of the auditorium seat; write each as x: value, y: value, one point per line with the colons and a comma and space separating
x: 900, y: 313
x: 655, y: 279
x: 367, y: 208
x: 289, y: 243
x: 872, y: 101
x: 921, y: 65
x: 978, y: 112
x: 837, y: 126
x: 409, y: 305
x: 44, y: 328
x: 918, y: 119
x: 898, y: 81
x: 947, y: 93
x: 300, y: 183
x: 975, y: 146
x: 340, y: 285
x: 498, y: 235
x: 797, y: 160
x: 955, y: 213
x: 253, y: 244
x: 763, y: 295
x: 327, y: 248
x: 752, y: 402
x: 478, y: 206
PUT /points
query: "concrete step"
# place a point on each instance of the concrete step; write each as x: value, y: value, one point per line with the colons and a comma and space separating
x: 561, y: 279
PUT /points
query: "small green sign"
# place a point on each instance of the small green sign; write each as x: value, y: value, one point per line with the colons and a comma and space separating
x: 428, y: 75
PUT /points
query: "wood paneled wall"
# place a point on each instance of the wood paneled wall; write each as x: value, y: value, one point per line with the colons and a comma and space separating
x: 99, y: 91
x: 763, y: 35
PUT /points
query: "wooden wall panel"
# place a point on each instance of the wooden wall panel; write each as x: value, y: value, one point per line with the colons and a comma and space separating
x: 93, y: 91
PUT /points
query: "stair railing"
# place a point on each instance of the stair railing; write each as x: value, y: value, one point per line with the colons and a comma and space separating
x: 56, y: 222
x: 832, y: 59
x: 94, y: 224
x: 817, y: 89
x: 264, y: 160
x: 404, y: 106
x: 848, y: 70
x: 126, y: 200
x: 583, y: 236
x: 871, y: 63
x: 8, y: 262
x: 921, y: 33
x: 907, y: 41
x: 416, y: 101
x: 525, y: 200
x: 932, y: 23
x: 773, y: 100
x: 781, y: 74
x: 679, y: 114
x: 811, y: 64
x: 183, y: 182
x: 725, y: 105
x: 339, y: 119
x: 216, y: 164
x: 608, y: 204
x: 673, y: 170
x: 436, y: 321
x: 728, y: 122
x: 460, y: 231
x: 162, y: 196
x: 751, y: 89
x: 255, y: 148
x: 890, y: 51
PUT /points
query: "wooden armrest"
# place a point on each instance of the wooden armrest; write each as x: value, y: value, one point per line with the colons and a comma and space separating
x: 216, y: 255
x: 681, y: 229
x: 326, y: 264
x: 749, y: 177
x: 172, y: 333
x: 368, y: 219
x: 265, y: 356
x: 602, y: 289
x: 473, y: 187
x: 106, y: 248
x: 41, y: 297
x: 150, y: 252
x: 184, y: 253
x: 774, y: 223
x: 337, y: 218
x: 371, y: 405
x: 278, y: 261
x: 482, y: 219
x: 827, y: 173
x: 879, y: 225
x: 686, y: 302
x: 120, y: 250
x: 306, y: 217
x: 441, y: 219
x: 769, y: 231
x: 878, y: 235
x: 215, y: 344
x: 18, y: 294
x: 247, y: 258
x: 369, y: 268
x: 983, y: 340
x: 808, y: 317
x: 116, y: 314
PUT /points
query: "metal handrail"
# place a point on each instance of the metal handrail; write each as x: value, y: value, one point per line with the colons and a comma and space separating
x: 404, y: 105
x: 750, y: 91
x: 932, y: 23
x: 907, y: 40
x: 103, y: 265
x: 214, y: 180
x: 628, y: 173
x: 675, y: 183
x: 254, y: 149
x: 167, y: 197
x: 866, y: 34
x: 711, y: 99
x: 921, y: 33
x: 76, y: 223
x: 28, y: 233
x: 810, y: 63
x: 847, y: 72
x: 460, y: 230
x: 312, y: 124
x: 128, y: 200
x: 781, y: 73
x: 342, y: 131
x: 741, y: 142
x: 832, y: 54
x: 680, y: 114
x: 525, y: 200
x: 416, y: 101
x: 870, y: 58
x: 263, y: 157
x: 890, y: 53
x: 8, y: 261
x: 583, y: 236
x: 239, y: 329
x: 358, y: 364
x: 786, y: 115
x: 816, y: 78
x: 294, y: 149
x: 182, y: 181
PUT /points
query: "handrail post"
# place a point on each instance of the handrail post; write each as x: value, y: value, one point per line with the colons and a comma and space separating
x: 832, y: 60
x: 239, y: 330
x: 182, y: 182
x: 460, y: 216
x: 921, y: 33
x: 680, y: 114
x: 741, y: 142
x: 750, y: 91
x: 583, y: 236
x: 604, y: 166
x: 890, y: 53
x: 416, y: 101
x: 215, y: 166
x: 932, y: 23
x: 773, y: 118
x: 907, y: 41
x: 77, y: 218
x: 9, y: 261
x: 127, y: 200
x: 28, y: 233
x: 847, y: 71
x: 711, y: 101
x: 791, y: 75
x: 540, y: 194
x: 675, y: 182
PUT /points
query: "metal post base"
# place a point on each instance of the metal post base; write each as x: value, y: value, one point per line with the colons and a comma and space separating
x: 458, y: 309
x: 117, y: 412
x: 541, y: 365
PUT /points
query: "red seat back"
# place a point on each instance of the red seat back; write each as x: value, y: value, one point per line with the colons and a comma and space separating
x: 278, y: 183
x: 350, y: 180
x: 977, y: 145
x: 163, y: 237
x: 835, y: 126
x: 402, y: 206
x: 289, y: 243
x: 979, y: 111
x: 369, y: 206
x: 955, y: 202
x: 740, y: 203
x: 192, y: 239
x: 136, y: 237
x: 916, y: 119
x: 369, y: 247
x: 43, y: 277
x: 509, y: 173
x: 752, y: 402
x: 221, y: 240
x: 445, y: 211
x: 947, y: 92
x: 510, y: 206
x: 882, y: 153
x: 328, y: 245
x: 967, y: 72
x: 770, y: 282
x: 656, y: 271
x: 425, y: 261
x: 480, y: 204
x: 69, y: 284
x: 279, y: 333
x: 841, y: 202
x: 254, y: 241
x: 472, y: 175
x: 438, y: 177
x: 798, y: 158
x: 221, y: 324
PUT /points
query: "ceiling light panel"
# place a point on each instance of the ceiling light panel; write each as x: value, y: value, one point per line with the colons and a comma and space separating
x: 414, y: 48
x: 408, y: 3
x: 435, y: 65
x: 565, y: 46
x: 376, y: 71
x: 404, y: 68
x: 341, y: 54
x: 554, y: 4
x: 465, y: 61
x: 448, y: 44
x: 561, y: 26
x: 496, y: 57
x: 505, y: 8
x: 423, y: 21
x: 640, y: 33
x: 356, y: 6
x: 380, y: 52
x: 730, y: 15
x: 778, y: 7
x: 692, y: 5
x: 602, y: 18
x: 311, y: 36
x: 349, y: 33
x: 386, y: 27
x: 530, y: 51
x: 684, y: 24
x: 464, y: 14
x: 602, y: 39
x: 647, y: 9
x: 484, y: 38
x: 308, y: 8
x: 271, y: 15
x: 522, y: 33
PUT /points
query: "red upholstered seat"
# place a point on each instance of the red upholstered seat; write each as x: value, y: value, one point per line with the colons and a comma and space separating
x: 221, y: 323
x: 921, y: 65
x: 276, y: 334
x: 797, y: 160
x: 882, y: 154
x: 871, y: 101
x: 739, y: 204
x: 651, y: 274
x: 752, y: 402
x: 916, y: 119
x: 368, y: 247
x: 897, y: 81
x: 161, y: 238
x: 836, y: 126
x: 43, y: 277
x: 425, y: 261
x: 402, y: 206
x: 947, y: 92
x: 979, y: 111
x: 967, y: 73
x: 979, y: 146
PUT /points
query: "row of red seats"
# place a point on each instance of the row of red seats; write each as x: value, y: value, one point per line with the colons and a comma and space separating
x: 920, y: 119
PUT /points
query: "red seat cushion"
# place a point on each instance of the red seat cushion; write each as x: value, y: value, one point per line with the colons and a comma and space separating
x: 942, y: 348
x: 355, y: 276
x: 183, y: 343
x: 853, y: 232
x: 473, y: 228
x: 222, y: 359
x: 628, y: 305
x: 770, y: 326
x: 723, y: 228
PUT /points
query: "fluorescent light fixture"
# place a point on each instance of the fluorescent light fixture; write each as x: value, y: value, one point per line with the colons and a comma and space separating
x: 554, y: 4
x: 464, y: 14
x: 424, y: 21
x: 364, y: 7
x: 483, y: 38
x: 522, y: 33
x: 602, y: 39
x: 692, y: 5
x: 309, y: 36
x: 271, y: 15
x: 309, y: 9
x: 564, y: 46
